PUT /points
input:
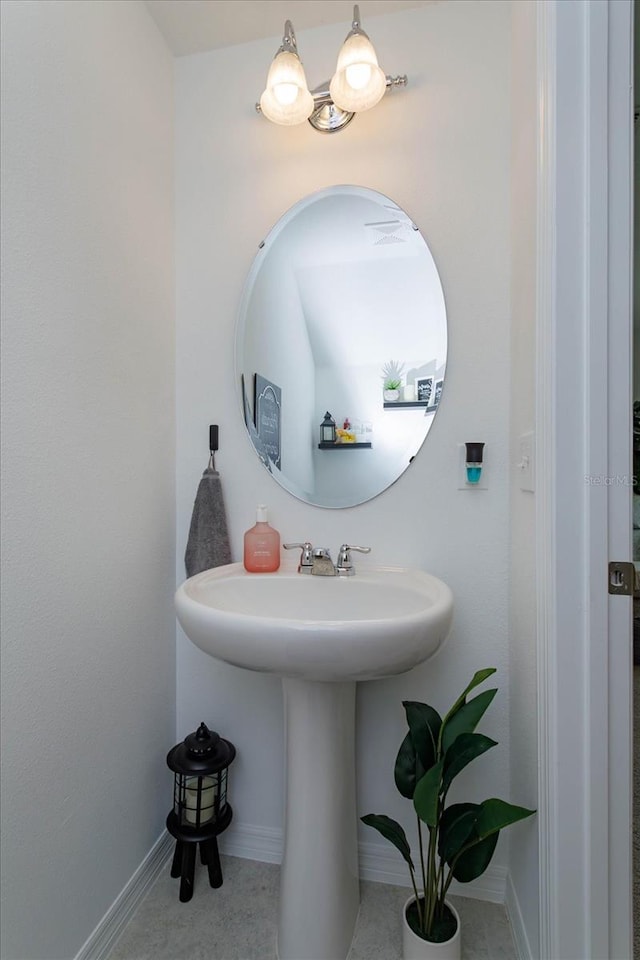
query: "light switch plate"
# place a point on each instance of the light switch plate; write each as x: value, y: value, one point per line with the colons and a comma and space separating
x: 525, y: 464
x: 482, y: 483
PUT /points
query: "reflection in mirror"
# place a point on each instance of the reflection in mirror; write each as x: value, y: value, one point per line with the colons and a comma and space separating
x: 342, y: 315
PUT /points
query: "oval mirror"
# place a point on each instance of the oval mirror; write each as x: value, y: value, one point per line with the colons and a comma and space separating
x: 341, y: 346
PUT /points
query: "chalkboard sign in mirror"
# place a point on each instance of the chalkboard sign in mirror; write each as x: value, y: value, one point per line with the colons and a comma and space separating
x: 268, y: 405
x: 343, y: 284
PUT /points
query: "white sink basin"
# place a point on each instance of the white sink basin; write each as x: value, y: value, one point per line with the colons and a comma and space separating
x: 378, y: 623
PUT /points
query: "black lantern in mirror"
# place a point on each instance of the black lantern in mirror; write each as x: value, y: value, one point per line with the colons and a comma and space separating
x: 200, y: 809
x: 328, y: 429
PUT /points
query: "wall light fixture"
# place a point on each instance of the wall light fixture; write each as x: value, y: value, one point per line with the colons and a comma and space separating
x: 357, y: 85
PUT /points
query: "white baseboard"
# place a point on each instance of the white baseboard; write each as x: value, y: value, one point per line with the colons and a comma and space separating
x: 518, y: 928
x: 101, y: 942
x: 264, y: 844
x: 383, y: 865
x: 378, y: 862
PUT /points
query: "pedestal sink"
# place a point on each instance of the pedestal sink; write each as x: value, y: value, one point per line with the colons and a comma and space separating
x: 321, y: 635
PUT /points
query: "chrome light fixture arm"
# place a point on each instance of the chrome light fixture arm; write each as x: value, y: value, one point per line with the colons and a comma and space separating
x: 289, y: 43
x: 329, y: 118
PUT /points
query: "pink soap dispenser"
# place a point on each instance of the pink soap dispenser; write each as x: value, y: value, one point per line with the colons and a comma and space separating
x: 261, y: 545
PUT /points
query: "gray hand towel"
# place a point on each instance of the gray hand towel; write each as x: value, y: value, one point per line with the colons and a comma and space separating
x: 208, y: 543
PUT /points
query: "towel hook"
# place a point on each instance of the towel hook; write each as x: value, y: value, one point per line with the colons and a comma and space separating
x: 213, y: 444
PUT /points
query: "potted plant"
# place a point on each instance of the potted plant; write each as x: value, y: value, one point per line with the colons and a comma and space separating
x: 392, y: 379
x: 461, y: 837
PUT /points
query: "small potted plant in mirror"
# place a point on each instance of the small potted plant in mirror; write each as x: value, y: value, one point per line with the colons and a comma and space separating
x: 392, y: 380
x: 461, y: 837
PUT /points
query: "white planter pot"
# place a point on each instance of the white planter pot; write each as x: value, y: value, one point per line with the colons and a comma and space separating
x: 415, y: 948
x: 391, y: 395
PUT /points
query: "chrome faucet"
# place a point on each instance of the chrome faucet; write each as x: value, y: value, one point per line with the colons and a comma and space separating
x: 306, y: 557
x: 318, y: 561
x: 344, y: 566
x: 322, y: 563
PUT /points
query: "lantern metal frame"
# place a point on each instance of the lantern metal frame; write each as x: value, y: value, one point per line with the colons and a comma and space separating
x: 328, y: 424
x: 201, y: 810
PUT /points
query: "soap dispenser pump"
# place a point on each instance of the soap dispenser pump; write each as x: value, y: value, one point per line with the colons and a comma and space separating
x: 261, y: 545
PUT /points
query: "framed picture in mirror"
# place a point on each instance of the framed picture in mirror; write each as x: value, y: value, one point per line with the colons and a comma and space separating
x: 268, y: 414
x: 250, y: 425
x: 424, y: 390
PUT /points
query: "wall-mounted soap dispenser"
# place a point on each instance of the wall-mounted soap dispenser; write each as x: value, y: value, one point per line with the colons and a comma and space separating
x: 474, y: 462
x: 472, y: 472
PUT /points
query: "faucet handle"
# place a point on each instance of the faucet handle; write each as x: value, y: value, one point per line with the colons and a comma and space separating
x: 306, y: 557
x: 344, y: 565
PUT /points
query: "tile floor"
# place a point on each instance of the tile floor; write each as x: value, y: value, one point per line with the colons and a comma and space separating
x: 238, y: 921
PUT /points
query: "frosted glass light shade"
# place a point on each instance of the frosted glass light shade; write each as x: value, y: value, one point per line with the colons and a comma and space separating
x: 358, y: 83
x: 286, y: 99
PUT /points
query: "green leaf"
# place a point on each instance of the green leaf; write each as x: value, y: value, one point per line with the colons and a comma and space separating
x: 424, y: 727
x: 456, y: 825
x: 496, y: 814
x: 492, y: 816
x: 425, y: 798
x: 466, y: 719
x: 465, y: 748
x: 479, y: 677
x: 408, y: 768
x: 392, y: 831
x: 418, y: 749
x: 474, y: 861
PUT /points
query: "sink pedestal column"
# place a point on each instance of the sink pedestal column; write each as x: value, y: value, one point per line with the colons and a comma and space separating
x: 319, y: 887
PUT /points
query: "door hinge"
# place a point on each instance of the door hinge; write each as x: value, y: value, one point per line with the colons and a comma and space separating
x: 622, y: 578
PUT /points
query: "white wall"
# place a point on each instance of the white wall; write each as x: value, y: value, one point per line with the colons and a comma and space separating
x: 440, y: 149
x: 522, y: 609
x: 88, y: 454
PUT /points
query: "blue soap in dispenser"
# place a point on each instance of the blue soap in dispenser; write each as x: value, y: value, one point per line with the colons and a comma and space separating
x: 474, y: 461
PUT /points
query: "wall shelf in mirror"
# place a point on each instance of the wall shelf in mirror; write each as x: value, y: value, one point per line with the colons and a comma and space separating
x: 405, y: 404
x: 344, y: 446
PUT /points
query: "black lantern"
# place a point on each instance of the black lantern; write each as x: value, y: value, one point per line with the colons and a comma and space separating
x: 328, y: 429
x: 200, y: 809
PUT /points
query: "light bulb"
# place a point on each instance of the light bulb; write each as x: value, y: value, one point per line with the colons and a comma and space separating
x: 285, y: 93
x: 358, y: 75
